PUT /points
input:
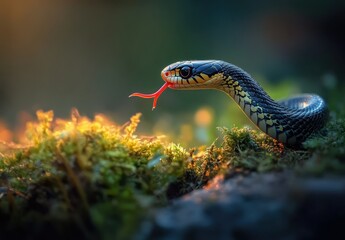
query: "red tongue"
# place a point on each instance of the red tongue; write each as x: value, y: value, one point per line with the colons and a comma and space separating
x: 155, y: 95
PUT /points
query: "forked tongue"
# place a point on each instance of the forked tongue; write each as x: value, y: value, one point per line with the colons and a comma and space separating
x: 155, y: 95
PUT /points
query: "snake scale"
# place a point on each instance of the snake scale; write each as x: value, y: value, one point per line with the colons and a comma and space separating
x: 290, y: 121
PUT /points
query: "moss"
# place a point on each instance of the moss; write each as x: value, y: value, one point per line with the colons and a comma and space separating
x: 92, y: 174
x: 95, y: 178
x: 327, y: 149
x: 322, y: 153
x: 255, y: 151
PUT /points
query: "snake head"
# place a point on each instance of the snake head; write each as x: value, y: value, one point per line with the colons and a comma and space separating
x: 194, y: 74
x: 189, y: 75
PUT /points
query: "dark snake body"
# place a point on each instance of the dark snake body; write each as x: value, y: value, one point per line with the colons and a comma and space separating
x: 290, y: 121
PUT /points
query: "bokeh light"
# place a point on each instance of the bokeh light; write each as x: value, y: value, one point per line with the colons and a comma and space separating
x: 92, y: 54
x: 203, y: 117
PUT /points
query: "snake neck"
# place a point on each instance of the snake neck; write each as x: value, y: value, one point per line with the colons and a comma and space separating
x: 287, y: 121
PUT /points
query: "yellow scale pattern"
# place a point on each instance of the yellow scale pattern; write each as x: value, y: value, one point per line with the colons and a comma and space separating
x: 255, y: 113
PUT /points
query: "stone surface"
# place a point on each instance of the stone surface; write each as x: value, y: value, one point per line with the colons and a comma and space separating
x: 258, y: 206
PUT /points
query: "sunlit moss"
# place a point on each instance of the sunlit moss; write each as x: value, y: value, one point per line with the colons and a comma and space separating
x: 96, y: 178
x: 91, y: 167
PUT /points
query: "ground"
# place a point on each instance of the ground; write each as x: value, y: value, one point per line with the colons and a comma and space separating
x: 96, y: 179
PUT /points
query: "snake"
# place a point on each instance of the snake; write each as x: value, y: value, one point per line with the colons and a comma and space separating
x: 290, y: 121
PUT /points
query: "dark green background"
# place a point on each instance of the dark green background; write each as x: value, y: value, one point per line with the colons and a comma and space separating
x: 91, y: 55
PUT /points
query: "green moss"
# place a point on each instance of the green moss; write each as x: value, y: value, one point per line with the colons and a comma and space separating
x: 327, y: 149
x: 323, y: 153
x: 255, y: 151
x: 94, y: 178
x: 95, y: 170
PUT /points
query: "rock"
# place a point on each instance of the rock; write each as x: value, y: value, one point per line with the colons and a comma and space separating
x: 258, y: 206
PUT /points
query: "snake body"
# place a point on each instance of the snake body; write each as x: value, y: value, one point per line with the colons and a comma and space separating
x: 290, y: 121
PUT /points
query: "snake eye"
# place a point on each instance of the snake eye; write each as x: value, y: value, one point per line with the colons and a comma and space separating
x: 185, y: 72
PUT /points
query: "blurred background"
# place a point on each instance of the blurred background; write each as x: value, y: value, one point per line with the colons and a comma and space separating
x: 91, y: 55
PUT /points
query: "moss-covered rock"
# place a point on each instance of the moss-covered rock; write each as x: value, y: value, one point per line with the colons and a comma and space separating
x: 92, y: 176
x: 97, y: 179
